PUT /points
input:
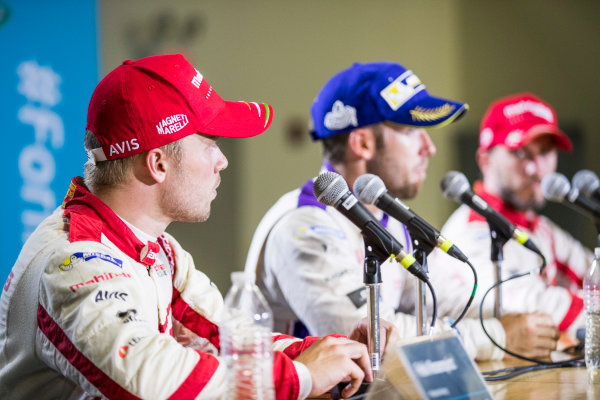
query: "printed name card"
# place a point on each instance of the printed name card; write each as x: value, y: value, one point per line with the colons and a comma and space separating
x: 429, y: 367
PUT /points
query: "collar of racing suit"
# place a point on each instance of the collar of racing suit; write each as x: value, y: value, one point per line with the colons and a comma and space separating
x: 516, y: 217
x: 88, y: 218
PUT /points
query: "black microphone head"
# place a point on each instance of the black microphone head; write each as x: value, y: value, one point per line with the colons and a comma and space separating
x: 454, y: 185
x: 555, y: 187
x: 586, y: 182
x: 369, y: 187
x: 329, y: 187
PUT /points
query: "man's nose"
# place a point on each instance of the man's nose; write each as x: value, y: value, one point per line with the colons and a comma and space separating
x: 222, y: 162
x: 427, y: 147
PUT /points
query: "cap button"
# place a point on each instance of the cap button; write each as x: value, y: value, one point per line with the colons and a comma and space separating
x: 127, y: 62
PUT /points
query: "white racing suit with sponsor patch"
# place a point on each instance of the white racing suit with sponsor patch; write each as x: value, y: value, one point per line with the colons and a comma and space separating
x: 308, y: 260
x: 556, y: 292
x: 88, y: 312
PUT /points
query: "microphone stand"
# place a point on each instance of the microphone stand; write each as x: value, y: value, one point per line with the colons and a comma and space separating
x: 420, y: 254
x: 422, y: 245
x: 497, y: 256
x: 372, y: 280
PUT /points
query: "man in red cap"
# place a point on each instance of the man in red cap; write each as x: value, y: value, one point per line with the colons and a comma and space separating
x: 90, y: 306
x: 518, y: 146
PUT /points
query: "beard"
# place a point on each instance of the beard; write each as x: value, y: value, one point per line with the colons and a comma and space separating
x: 511, y: 198
x: 406, y: 192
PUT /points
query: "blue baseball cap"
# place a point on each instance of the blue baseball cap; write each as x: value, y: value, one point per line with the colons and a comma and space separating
x: 366, y: 94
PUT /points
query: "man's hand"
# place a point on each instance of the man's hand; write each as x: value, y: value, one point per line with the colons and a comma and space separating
x: 388, y: 334
x: 530, y: 335
x: 332, y: 360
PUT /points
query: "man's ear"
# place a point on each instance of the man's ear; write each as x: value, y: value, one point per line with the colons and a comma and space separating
x: 157, y: 165
x: 362, y: 144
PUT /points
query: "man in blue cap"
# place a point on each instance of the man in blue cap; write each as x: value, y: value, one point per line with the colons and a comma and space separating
x: 308, y: 257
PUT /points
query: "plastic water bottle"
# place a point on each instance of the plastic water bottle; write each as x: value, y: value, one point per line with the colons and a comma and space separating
x: 245, y: 335
x: 591, y: 300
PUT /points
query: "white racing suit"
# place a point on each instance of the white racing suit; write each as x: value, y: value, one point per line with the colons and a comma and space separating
x: 308, y: 260
x: 88, y: 312
x: 557, y: 291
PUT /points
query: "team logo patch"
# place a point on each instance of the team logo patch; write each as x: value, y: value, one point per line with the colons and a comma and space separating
x: 514, y: 137
x: 486, y: 137
x: 258, y: 110
x: 431, y: 114
x: 8, y: 281
x: 527, y: 106
x: 123, y: 350
x: 124, y: 147
x: 107, y: 276
x: 358, y: 297
x: 340, y: 117
x: 172, y: 124
x: 75, y: 258
x: 106, y: 295
x: 128, y: 315
x: 70, y: 194
x: 323, y: 230
x: 197, y: 79
x: 401, y: 90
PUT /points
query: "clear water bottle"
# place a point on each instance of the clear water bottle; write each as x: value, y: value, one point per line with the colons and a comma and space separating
x: 245, y: 335
x: 591, y: 300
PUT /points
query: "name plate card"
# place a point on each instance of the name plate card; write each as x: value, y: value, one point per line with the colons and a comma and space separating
x: 429, y: 367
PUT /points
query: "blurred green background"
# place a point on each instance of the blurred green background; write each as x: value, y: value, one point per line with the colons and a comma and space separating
x: 282, y: 52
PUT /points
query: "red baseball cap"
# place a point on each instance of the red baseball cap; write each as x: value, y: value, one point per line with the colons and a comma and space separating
x: 151, y: 102
x: 515, y: 120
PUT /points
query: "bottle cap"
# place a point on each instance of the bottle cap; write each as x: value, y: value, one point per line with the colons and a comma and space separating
x: 240, y: 277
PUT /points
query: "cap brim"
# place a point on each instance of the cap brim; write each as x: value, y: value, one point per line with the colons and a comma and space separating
x: 240, y: 119
x: 424, y: 110
x: 562, y: 140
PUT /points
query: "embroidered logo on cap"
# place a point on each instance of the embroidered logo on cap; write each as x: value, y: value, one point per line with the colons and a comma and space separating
x: 514, y: 138
x: 197, y: 79
x: 172, y: 124
x: 538, y: 109
x: 401, y: 90
x: 485, y: 138
x: 431, y: 114
x: 340, y: 116
x: 124, y: 146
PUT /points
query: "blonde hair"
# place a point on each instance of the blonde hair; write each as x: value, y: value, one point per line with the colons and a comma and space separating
x: 110, y: 173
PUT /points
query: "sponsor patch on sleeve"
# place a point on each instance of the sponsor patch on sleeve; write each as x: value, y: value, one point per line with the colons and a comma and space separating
x: 74, y: 258
x: 358, y: 297
x: 323, y: 230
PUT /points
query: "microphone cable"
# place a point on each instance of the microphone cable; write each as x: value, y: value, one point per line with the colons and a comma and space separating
x: 466, y: 308
x: 464, y: 311
x: 539, y: 364
x: 507, y: 373
x: 434, y: 304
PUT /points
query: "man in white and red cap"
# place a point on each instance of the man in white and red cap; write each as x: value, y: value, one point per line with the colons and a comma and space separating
x: 518, y: 146
x: 90, y: 307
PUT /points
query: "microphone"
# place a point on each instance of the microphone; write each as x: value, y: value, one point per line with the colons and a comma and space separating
x: 587, y: 183
x: 556, y: 187
x: 371, y: 190
x: 455, y: 186
x: 331, y: 189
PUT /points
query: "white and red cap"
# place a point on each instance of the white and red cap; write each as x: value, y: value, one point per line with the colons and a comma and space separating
x: 151, y: 102
x: 515, y: 120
